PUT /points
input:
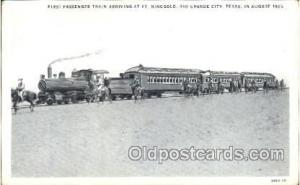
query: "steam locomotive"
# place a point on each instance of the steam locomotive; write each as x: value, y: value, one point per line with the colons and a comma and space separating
x: 79, y: 87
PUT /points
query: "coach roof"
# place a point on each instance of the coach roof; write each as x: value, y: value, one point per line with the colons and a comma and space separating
x: 224, y: 73
x: 142, y: 69
x: 258, y: 75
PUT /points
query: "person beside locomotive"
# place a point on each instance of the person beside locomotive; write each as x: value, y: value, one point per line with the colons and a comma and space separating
x: 135, y: 84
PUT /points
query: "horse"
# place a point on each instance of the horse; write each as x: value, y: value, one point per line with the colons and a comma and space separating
x: 266, y: 87
x: 102, y: 93
x: 189, y: 90
x: 221, y: 89
x: 138, y: 91
x: 28, y: 96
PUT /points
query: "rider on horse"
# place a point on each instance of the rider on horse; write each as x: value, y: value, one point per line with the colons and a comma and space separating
x: 20, y: 88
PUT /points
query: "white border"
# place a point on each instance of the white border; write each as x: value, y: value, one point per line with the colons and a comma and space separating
x: 293, y: 150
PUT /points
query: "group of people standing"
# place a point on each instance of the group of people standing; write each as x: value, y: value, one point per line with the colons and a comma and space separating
x: 232, y: 86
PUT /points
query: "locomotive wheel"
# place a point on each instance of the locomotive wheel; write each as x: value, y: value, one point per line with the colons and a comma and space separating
x: 66, y: 101
x: 59, y: 102
x: 74, y: 101
x: 149, y: 95
x: 50, y: 102
x: 88, y: 98
x: 122, y: 97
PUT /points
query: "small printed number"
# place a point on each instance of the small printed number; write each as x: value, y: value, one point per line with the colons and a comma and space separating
x: 278, y: 180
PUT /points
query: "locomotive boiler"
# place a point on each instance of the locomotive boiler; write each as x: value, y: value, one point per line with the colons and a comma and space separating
x: 64, y: 90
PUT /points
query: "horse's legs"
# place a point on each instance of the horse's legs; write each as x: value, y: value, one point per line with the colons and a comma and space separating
x: 109, y: 98
x: 31, y: 105
x: 98, y: 99
x: 15, y: 107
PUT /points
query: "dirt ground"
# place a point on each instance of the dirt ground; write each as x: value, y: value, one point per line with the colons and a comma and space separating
x: 90, y: 140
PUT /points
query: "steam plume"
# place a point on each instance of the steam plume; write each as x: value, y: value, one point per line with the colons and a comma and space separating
x: 74, y: 57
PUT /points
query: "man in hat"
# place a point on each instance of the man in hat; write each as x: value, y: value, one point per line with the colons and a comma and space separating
x: 20, y: 88
x: 99, y: 82
x: 135, y: 84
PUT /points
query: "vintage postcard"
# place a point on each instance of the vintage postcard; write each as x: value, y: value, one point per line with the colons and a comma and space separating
x: 150, y: 92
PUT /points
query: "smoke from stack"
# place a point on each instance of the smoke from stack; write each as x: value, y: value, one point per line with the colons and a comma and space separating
x: 69, y: 58
x: 49, y: 71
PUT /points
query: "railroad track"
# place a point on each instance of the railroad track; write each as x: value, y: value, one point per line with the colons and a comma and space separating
x: 84, y: 102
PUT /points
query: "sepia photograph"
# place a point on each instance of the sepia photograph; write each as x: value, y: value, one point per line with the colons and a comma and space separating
x: 150, y: 92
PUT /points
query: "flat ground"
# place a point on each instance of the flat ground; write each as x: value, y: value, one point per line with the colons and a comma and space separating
x: 93, y: 139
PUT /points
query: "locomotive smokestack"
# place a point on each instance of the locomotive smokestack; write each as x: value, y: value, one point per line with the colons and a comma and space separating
x: 49, y: 71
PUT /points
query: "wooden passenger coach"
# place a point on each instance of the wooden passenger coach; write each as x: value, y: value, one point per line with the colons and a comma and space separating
x: 259, y: 79
x: 156, y: 81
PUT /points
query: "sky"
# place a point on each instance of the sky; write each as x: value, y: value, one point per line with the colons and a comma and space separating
x: 115, y: 40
